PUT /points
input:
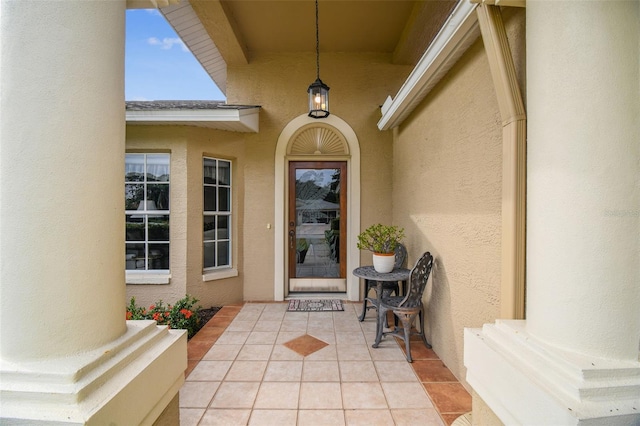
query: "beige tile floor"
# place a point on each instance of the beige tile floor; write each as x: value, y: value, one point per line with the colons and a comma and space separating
x: 257, y: 364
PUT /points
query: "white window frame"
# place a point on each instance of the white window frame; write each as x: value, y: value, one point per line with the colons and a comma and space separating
x: 151, y: 276
x: 212, y: 272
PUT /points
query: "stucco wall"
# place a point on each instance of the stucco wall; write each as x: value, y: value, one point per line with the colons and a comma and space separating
x: 187, y: 146
x: 278, y: 82
x: 447, y: 187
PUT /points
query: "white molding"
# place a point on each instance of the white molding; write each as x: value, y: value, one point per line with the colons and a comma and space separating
x: 102, y: 386
x: 526, y: 382
x: 456, y: 35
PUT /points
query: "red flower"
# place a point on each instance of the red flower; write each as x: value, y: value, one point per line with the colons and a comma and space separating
x: 187, y: 313
x: 129, y: 315
x: 157, y: 316
x: 166, y: 314
x: 152, y: 307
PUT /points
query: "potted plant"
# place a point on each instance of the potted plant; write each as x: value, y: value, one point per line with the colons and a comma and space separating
x: 382, y: 240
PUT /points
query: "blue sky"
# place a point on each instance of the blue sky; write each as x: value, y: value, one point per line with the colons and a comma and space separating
x: 158, y: 66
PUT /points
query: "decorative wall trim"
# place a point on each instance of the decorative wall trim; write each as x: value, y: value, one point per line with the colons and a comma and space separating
x: 318, y: 139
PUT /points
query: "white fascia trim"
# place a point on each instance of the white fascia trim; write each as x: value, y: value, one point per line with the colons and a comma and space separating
x: 150, y: 4
x: 457, y: 34
x: 248, y: 118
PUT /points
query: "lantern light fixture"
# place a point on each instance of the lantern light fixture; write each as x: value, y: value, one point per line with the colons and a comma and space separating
x: 318, y: 91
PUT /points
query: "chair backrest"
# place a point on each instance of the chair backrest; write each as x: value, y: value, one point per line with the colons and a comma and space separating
x: 418, y: 281
x: 401, y: 256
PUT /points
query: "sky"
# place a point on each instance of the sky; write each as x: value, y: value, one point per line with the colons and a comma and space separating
x: 158, y: 66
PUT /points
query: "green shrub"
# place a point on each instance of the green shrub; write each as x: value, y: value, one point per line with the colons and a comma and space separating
x: 182, y: 315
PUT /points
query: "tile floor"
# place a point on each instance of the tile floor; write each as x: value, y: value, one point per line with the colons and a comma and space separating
x: 256, y: 364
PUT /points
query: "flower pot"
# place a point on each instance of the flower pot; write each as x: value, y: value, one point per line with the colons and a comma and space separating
x: 384, y: 262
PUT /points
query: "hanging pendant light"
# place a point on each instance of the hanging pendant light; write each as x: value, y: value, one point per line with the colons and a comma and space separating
x: 318, y: 91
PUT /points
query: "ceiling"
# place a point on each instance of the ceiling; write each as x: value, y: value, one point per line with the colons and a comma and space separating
x: 242, y: 28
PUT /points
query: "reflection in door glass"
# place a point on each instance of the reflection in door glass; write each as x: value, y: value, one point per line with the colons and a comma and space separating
x: 317, y: 223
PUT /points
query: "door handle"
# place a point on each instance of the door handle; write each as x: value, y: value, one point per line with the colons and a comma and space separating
x: 292, y: 233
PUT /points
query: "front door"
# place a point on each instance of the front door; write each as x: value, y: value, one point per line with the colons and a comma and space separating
x: 317, y: 226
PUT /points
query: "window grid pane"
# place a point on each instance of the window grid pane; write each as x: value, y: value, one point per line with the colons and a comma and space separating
x: 147, y: 188
x: 216, y: 213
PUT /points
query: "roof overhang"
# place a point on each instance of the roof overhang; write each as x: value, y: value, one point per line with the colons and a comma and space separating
x: 455, y: 37
x: 233, y: 118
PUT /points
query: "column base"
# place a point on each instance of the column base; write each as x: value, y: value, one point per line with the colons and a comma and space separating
x: 129, y: 381
x: 526, y: 382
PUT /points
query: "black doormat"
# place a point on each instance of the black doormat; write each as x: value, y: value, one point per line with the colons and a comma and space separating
x: 315, y: 305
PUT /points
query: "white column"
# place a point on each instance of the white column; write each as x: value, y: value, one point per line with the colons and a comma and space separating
x: 66, y: 352
x: 61, y: 167
x: 574, y: 360
x: 583, y: 240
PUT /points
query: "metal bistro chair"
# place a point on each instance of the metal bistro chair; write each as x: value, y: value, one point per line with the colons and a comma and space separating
x: 407, y: 307
x: 387, y: 287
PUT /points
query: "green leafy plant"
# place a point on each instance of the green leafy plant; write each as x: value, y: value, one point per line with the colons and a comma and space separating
x: 380, y: 238
x: 182, y: 315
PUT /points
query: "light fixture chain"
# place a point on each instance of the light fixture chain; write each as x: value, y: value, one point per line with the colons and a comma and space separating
x: 317, y: 44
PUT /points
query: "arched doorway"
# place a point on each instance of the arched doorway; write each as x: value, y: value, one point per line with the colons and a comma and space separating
x: 317, y: 149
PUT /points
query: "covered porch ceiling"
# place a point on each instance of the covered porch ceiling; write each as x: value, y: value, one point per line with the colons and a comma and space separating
x: 231, y: 32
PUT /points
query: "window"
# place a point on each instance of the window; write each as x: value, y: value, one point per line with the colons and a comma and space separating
x: 146, y: 192
x: 217, y: 213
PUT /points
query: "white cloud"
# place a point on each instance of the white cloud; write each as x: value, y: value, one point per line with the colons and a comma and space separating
x: 153, y: 12
x: 167, y: 43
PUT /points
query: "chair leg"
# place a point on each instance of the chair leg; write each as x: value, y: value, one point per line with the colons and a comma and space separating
x: 407, y: 321
x: 424, y: 337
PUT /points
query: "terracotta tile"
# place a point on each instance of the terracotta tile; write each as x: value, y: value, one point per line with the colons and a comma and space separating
x: 432, y: 371
x: 305, y: 345
x: 209, y: 334
x: 228, y: 311
x: 220, y: 321
x: 449, y: 397
x: 196, y: 350
x: 418, y: 348
x: 420, y: 351
x: 449, y: 418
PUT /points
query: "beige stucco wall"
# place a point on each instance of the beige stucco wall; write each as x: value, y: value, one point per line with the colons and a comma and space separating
x: 187, y: 146
x: 278, y: 82
x: 447, y: 187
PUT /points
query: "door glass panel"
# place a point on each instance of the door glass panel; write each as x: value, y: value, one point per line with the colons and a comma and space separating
x: 317, y: 222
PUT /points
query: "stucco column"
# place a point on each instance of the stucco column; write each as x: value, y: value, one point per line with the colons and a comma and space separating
x: 61, y: 159
x: 574, y: 360
x: 65, y: 343
x: 583, y: 230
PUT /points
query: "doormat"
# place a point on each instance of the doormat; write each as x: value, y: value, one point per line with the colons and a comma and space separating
x: 315, y: 305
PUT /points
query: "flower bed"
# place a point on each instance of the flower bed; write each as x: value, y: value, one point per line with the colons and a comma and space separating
x: 182, y: 315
